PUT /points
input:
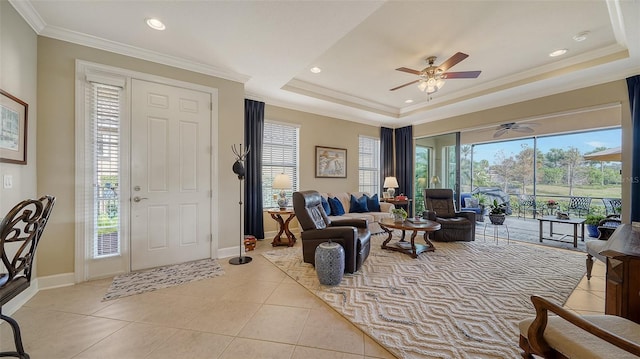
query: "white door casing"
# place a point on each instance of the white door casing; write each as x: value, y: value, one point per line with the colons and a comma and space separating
x: 170, y: 175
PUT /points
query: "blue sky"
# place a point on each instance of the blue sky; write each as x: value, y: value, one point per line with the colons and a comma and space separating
x: 585, y: 142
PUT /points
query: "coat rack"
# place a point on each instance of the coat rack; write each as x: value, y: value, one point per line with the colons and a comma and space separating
x: 238, y: 168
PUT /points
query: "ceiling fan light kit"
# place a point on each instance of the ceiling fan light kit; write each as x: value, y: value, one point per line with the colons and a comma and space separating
x: 432, y: 77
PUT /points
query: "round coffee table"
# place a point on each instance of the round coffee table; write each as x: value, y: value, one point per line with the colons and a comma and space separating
x: 410, y: 248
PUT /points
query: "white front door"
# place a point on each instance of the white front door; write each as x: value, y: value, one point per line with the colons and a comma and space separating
x: 170, y: 175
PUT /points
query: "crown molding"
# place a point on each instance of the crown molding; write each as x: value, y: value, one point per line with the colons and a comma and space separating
x: 30, y: 15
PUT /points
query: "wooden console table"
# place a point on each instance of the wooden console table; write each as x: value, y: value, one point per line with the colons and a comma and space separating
x: 622, y: 295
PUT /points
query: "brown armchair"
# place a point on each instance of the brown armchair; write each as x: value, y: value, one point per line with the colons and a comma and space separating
x: 455, y: 226
x: 352, y: 233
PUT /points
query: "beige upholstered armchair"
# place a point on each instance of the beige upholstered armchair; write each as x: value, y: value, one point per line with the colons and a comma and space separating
x: 567, y: 335
x: 455, y: 226
x: 351, y: 233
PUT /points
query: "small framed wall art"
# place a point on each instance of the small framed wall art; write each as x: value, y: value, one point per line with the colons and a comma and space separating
x: 13, y: 129
x: 331, y: 162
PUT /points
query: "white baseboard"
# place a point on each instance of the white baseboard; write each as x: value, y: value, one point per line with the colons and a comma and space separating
x: 38, y: 284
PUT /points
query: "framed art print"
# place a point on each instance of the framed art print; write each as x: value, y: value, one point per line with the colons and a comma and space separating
x: 13, y: 129
x: 331, y: 162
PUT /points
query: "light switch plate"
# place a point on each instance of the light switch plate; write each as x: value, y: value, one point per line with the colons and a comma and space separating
x: 7, y: 181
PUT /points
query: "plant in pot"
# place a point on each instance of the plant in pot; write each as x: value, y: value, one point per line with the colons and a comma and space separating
x: 497, y: 212
x: 592, y: 221
x: 399, y: 214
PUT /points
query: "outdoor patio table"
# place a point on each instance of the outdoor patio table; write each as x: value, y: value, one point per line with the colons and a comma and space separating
x: 553, y: 219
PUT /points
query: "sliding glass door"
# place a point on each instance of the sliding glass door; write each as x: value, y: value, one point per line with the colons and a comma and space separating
x: 437, y: 165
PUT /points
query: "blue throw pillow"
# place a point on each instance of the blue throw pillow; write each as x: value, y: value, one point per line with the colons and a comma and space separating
x: 373, y: 203
x: 358, y: 205
x: 336, y: 206
x: 325, y: 206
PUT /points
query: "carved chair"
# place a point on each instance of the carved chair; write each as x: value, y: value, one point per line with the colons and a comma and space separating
x: 454, y: 226
x: 352, y: 233
x: 568, y: 335
x: 20, y: 232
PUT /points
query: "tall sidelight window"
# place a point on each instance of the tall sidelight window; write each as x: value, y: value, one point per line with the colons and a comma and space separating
x: 369, y: 165
x: 279, y: 155
x: 103, y: 147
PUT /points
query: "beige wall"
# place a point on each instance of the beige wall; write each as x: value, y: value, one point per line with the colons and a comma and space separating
x: 316, y: 130
x: 56, y: 163
x: 18, y: 77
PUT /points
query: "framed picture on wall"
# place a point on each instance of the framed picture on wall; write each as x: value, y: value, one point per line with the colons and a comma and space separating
x: 13, y: 129
x: 331, y: 162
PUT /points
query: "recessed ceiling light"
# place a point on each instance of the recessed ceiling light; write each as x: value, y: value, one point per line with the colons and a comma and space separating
x: 581, y: 36
x: 155, y: 24
x: 408, y: 101
x: 559, y: 52
x: 316, y: 70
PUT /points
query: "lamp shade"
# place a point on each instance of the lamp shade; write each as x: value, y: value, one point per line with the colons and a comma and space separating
x: 435, y: 180
x: 282, y: 181
x: 390, y: 182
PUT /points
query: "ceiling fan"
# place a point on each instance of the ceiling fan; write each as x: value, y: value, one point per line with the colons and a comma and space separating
x: 432, y: 77
x: 511, y: 126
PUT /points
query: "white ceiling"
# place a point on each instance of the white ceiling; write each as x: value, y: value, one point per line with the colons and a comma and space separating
x: 271, y: 45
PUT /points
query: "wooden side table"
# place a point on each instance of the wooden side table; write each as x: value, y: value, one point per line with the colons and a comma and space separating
x: 406, y: 203
x: 283, y: 227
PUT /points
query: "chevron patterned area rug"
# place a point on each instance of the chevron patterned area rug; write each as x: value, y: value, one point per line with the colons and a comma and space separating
x: 462, y: 301
x: 162, y: 277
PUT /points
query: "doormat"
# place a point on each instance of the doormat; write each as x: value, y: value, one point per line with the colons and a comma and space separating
x: 162, y: 277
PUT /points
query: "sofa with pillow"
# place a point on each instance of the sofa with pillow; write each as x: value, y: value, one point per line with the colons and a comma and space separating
x: 356, y: 205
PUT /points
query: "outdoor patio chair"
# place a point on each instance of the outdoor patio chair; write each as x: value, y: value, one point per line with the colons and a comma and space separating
x: 527, y: 202
x: 20, y: 233
x: 612, y: 206
x: 579, y: 205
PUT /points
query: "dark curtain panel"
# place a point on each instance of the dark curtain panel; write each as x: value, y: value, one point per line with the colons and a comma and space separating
x: 386, y: 154
x: 253, y: 134
x: 633, y: 84
x: 404, y: 160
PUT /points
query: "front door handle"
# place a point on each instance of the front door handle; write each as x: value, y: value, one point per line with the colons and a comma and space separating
x: 138, y: 199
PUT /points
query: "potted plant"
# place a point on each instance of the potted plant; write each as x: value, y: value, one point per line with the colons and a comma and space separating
x: 592, y: 221
x: 399, y: 214
x: 497, y: 212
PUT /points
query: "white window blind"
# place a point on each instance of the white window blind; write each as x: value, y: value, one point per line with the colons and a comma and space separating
x: 369, y: 164
x: 279, y: 155
x: 103, y: 102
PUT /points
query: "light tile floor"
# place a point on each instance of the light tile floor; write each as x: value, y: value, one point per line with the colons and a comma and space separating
x: 253, y: 311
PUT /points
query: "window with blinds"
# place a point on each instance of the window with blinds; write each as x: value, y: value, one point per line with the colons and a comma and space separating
x: 103, y: 144
x: 279, y: 155
x: 369, y: 164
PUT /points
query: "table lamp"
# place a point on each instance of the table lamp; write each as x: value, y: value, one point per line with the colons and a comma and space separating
x: 282, y: 182
x: 390, y: 183
x: 435, y: 180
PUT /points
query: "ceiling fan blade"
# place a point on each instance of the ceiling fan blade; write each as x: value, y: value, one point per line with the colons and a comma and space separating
x: 452, y: 61
x: 411, y: 71
x: 461, y: 75
x: 523, y: 129
x: 500, y: 132
x: 401, y: 86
